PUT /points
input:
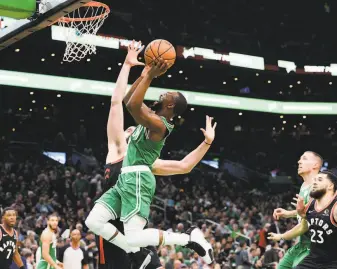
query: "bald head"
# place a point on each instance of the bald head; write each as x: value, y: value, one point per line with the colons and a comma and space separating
x: 75, y: 236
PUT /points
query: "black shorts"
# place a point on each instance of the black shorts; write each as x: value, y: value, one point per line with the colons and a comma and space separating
x: 310, y: 263
x: 111, y: 173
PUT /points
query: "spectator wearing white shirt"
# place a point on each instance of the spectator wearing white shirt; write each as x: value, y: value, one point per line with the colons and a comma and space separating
x: 72, y: 255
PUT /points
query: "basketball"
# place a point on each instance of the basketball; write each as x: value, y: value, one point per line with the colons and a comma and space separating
x: 160, y: 48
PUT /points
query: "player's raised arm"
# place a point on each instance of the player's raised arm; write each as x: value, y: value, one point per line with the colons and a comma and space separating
x: 46, y: 239
x: 116, y: 110
x: 167, y: 167
x: 141, y: 113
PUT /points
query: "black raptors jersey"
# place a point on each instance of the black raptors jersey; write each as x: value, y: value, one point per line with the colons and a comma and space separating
x: 323, y: 230
x: 7, y: 247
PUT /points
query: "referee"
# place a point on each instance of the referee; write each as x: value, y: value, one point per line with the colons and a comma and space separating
x: 72, y: 255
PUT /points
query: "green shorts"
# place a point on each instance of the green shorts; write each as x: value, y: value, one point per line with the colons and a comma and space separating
x: 294, y: 256
x: 132, y: 195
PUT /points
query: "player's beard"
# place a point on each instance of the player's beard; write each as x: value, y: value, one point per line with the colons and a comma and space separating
x: 318, y: 194
x: 157, y: 106
x: 51, y: 228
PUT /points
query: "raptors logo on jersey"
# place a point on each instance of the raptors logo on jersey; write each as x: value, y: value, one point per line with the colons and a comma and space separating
x: 323, y: 230
x: 7, y: 247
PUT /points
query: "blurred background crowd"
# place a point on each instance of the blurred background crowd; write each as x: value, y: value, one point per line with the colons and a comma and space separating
x: 228, y: 213
x: 231, y: 198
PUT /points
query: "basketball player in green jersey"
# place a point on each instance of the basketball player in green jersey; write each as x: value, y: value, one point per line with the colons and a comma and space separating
x: 309, y: 166
x: 46, y: 253
x: 132, y: 196
x: 112, y: 256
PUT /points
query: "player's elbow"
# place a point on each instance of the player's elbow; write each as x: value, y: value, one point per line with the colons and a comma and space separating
x: 185, y: 168
x: 132, y: 106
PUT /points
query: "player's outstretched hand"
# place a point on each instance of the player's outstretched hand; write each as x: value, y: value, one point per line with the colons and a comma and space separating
x: 133, y: 51
x: 274, y: 237
x: 158, y: 67
x: 279, y: 213
x: 209, y: 133
x: 300, y: 206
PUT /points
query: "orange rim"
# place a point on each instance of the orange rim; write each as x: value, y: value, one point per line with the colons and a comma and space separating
x: 90, y: 4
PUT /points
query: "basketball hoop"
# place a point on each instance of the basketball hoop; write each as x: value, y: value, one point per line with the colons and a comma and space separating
x: 80, y: 26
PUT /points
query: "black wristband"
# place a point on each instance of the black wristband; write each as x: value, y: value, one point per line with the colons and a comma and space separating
x: 22, y: 267
x: 207, y: 143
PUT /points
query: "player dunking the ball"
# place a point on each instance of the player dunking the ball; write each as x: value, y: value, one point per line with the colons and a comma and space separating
x: 319, y: 217
x: 133, y: 193
x: 111, y: 256
x: 8, y: 240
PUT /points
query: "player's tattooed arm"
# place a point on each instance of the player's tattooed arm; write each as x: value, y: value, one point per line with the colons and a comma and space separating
x: 168, y: 167
x: 141, y: 113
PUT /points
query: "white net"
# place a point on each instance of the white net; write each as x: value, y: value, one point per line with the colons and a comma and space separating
x: 81, y: 27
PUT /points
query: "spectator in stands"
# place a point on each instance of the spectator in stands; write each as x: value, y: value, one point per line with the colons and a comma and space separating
x: 170, y: 263
x: 30, y: 242
x: 29, y: 256
x: 242, y: 257
x: 90, y: 246
x: 272, y: 255
x: 263, y: 237
x: 81, y: 185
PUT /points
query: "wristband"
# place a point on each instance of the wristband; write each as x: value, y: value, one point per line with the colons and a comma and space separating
x: 22, y: 267
x: 207, y: 143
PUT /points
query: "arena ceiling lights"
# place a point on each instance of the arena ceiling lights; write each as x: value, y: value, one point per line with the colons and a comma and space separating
x: 75, y: 85
x: 233, y: 59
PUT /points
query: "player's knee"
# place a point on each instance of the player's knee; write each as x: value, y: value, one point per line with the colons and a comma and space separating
x: 92, y: 223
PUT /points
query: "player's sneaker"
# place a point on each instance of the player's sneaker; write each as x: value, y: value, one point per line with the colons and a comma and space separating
x: 200, y: 245
x: 141, y: 259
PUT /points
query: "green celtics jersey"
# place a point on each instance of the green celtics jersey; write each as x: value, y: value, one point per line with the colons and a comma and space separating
x: 141, y: 150
x: 52, y: 252
x: 305, y: 193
